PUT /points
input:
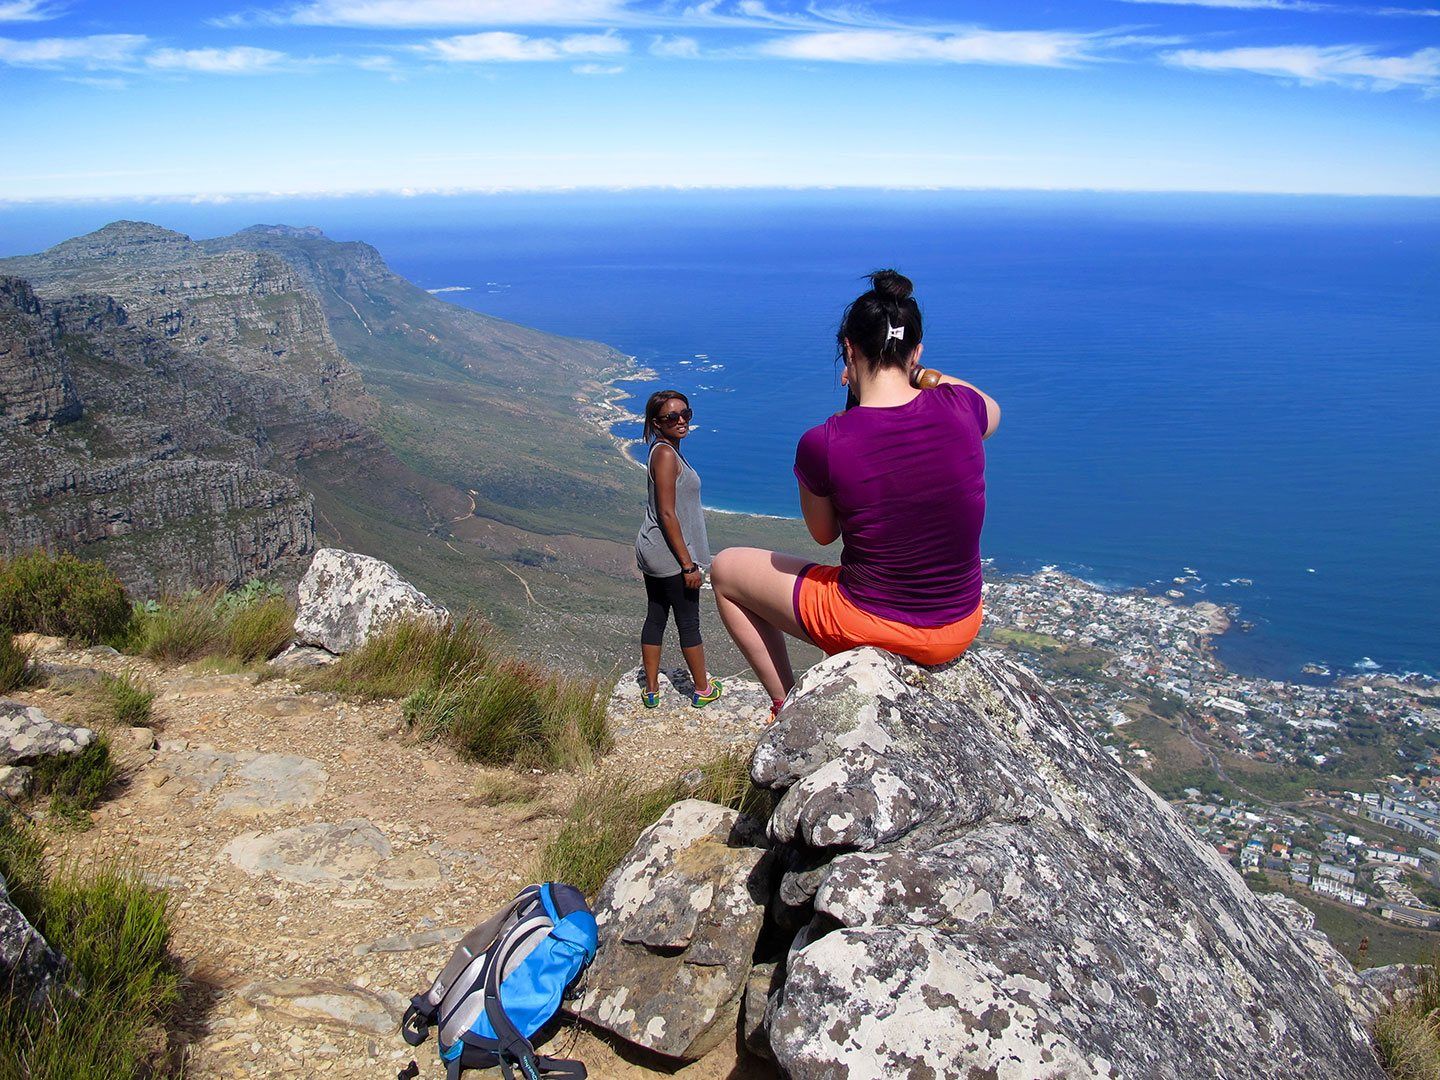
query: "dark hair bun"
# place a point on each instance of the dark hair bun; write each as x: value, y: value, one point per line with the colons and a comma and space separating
x: 891, y: 285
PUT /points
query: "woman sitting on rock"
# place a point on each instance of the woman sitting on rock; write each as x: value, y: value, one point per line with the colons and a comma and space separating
x: 672, y: 548
x: 900, y: 479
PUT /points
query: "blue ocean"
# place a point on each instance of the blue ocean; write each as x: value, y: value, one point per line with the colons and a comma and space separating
x: 1234, y: 391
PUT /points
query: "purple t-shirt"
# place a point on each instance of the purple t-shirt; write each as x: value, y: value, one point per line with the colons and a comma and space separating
x: 908, y: 485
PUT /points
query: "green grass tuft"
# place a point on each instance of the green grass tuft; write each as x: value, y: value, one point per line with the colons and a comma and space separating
x: 410, y: 655
x: 608, y: 816
x: 123, y: 987
x: 249, y: 625
x: 76, y: 782
x: 127, y: 699
x: 456, y: 689
x: 63, y: 596
x: 1407, y: 1033
x: 13, y: 663
x: 259, y: 631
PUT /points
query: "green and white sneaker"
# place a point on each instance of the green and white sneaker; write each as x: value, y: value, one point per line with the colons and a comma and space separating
x: 699, y: 700
x: 650, y: 699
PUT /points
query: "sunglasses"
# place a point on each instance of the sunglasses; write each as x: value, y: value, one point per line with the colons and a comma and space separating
x: 671, y: 417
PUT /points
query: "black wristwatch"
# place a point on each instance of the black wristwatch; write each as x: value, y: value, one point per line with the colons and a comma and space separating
x: 693, y: 568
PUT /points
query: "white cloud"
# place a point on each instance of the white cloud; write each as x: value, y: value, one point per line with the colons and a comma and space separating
x: 503, y: 46
x: 27, y: 11
x: 95, y: 51
x: 1026, y: 47
x: 238, y: 60
x: 597, y: 69
x: 438, y: 13
x: 676, y: 47
x: 1346, y: 65
x: 1298, y: 5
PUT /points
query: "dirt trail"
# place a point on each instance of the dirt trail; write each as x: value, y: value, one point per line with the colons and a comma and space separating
x: 321, y: 860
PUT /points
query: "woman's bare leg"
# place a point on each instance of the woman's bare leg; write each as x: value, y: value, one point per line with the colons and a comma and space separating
x: 695, y: 661
x: 650, y: 661
x: 754, y: 592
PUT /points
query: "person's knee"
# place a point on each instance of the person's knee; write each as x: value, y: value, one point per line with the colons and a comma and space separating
x: 721, y: 567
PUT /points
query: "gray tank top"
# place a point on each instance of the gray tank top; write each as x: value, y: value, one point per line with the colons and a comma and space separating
x: 652, y: 553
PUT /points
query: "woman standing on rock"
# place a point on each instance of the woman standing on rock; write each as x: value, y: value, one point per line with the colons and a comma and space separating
x: 672, y: 547
x: 900, y: 478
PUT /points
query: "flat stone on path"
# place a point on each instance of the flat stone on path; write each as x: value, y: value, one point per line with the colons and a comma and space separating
x: 272, y: 783
x: 316, y: 854
x: 313, y: 1001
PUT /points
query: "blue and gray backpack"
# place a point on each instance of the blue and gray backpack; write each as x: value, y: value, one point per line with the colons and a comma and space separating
x: 504, y: 982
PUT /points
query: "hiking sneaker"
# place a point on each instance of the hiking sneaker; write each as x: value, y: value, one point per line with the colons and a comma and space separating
x: 700, y: 700
x: 650, y: 699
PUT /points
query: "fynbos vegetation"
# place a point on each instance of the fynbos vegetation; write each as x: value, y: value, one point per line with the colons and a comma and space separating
x: 63, y: 596
x: 457, y: 689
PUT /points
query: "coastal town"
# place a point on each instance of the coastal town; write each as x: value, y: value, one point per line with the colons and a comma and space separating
x: 1329, y: 789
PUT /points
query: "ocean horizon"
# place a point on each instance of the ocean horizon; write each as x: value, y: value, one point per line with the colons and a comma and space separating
x: 1221, y: 396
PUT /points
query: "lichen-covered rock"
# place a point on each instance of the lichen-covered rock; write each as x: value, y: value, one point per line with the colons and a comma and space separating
x: 993, y: 896
x: 27, y: 962
x: 27, y: 735
x: 345, y: 597
x: 678, y: 923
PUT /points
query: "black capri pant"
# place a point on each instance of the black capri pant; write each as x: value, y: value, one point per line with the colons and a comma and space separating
x: 662, y: 594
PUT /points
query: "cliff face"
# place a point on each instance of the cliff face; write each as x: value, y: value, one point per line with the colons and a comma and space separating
x: 115, y: 444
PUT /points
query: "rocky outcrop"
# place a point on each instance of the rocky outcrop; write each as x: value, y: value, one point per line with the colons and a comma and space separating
x: 345, y: 597
x: 28, y: 965
x: 37, y: 392
x: 963, y: 884
x: 988, y: 894
x: 681, y: 916
x: 27, y: 735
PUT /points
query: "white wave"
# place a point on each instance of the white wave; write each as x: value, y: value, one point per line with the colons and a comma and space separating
x: 449, y: 288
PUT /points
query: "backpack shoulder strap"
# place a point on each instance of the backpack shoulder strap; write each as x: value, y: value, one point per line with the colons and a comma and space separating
x: 420, y: 1016
x: 512, y: 1044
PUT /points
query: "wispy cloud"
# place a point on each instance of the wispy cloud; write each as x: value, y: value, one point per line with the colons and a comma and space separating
x: 675, y: 47
x: 597, y: 69
x: 1346, y: 65
x: 502, y: 46
x: 426, y: 14
x: 1315, y: 6
x: 1020, y: 47
x: 237, y: 60
x: 27, y: 11
x: 92, y: 53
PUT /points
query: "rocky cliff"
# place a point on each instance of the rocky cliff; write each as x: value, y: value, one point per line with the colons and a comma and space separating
x: 115, y: 443
x: 177, y: 407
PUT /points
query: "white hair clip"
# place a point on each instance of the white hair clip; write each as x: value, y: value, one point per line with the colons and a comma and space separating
x: 896, y: 333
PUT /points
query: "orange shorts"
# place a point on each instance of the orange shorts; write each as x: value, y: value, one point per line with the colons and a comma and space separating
x: 835, y: 624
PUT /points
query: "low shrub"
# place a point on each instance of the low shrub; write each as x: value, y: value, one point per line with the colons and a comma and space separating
x: 128, y: 700
x: 410, y: 655
x: 608, y: 815
x: 250, y: 624
x: 508, y: 789
x: 62, y: 596
x: 75, y: 782
x: 457, y: 689
x: 122, y: 986
x: 604, y: 821
x: 1407, y: 1033
x: 256, y: 632
x: 13, y: 663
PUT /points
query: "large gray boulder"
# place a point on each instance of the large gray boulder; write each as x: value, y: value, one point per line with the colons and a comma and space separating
x: 28, y: 965
x: 988, y: 894
x: 27, y: 735
x: 678, y: 923
x: 345, y: 597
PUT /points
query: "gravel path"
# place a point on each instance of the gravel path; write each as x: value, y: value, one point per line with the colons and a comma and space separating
x: 321, y: 860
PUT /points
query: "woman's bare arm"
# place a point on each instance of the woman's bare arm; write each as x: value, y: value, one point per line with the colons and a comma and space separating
x: 666, y: 469
x: 820, y: 517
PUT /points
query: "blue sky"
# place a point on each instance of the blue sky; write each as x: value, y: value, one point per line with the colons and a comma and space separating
x: 215, y: 99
